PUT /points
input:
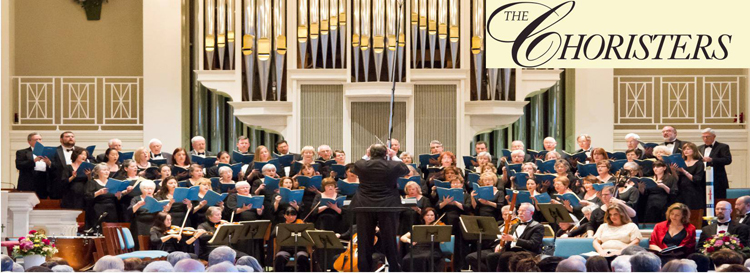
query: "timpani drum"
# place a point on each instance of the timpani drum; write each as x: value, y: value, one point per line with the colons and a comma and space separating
x: 78, y: 251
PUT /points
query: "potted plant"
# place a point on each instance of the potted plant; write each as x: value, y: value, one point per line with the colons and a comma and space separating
x: 93, y: 8
x: 34, y: 249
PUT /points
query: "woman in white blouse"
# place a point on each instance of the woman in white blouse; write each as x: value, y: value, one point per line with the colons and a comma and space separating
x: 617, y: 233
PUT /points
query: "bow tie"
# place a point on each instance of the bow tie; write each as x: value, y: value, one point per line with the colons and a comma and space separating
x: 68, y: 150
x: 201, y: 153
x: 723, y: 224
x: 709, y: 146
x: 668, y: 142
x: 526, y: 223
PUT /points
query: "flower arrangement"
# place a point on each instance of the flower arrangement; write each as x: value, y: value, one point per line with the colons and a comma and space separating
x: 34, y: 244
x: 723, y: 241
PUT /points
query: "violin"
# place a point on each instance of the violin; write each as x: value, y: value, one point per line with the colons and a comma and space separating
x: 188, y: 231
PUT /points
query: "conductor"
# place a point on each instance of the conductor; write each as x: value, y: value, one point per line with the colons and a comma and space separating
x: 378, y: 188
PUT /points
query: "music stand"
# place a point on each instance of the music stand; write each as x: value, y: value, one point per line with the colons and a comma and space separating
x: 294, y: 235
x: 479, y: 228
x: 325, y: 240
x: 430, y: 234
x: 555, y: 214
x: 223, y: 235
x: 252, y: 230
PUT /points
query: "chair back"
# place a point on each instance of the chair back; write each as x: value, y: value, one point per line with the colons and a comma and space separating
x: 447, y: 247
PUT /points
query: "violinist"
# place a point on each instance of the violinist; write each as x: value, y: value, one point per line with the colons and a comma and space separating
x: 421, y: 251
x: 282, y: 257
x: 328, y: 215
x: 161, y: 238
x: 207, y: 229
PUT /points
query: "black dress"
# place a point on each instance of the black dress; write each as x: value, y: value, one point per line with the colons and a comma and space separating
x: 630, y: 196
x: 142, y: 220
x: 74, y: 190
x: 204, y: 247
x: 486, y: 210
x: 100, y: 204
x: 422, y: 255
x: 126, y: 199
x: 178, y: 211
x: 410, y: 217
x: 170, y: 245
x: 692, y: 193
x: 452, y: 217
x: 250, y: 247
x: 657, y: 200
x: 327, y: 219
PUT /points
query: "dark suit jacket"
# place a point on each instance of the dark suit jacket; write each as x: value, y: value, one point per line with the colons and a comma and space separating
x: 742, y: 231
x: 378, y: 182
x: 720, y: 157
x: 25, y: 165
x: 677, y: 146
x: 166, y: 156
x: 208, y: 153
x: 746, y: 222
x: 530, y: 239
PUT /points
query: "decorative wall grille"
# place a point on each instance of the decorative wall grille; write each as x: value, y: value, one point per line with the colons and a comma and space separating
x: 692, y: 101
x: 78, y: 103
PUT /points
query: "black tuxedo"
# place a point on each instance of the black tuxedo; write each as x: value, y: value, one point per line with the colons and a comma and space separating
x: 28, y: 178
x: 101, y: 158
x: 720, y: 157
x: 677, y: 146
x: 531, y: 238
x: 164, y: 155
x: 56, y: 186
x: 735, y: 228
x: 378, y: 187
x: 207, y: 153
x: 746, y: 221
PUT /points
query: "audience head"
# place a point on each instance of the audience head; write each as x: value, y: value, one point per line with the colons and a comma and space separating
x: 221, y: 254
x: 134, y: 264
x: 244, y: 268
x: 109, y: 262
x: 177, y: 256
x: 702, y: 261
x: 680, y: 265
x: 62, y: 268
x: 725, y: 256
x: 38, y: 268
x: 632, y: 250
x: 7, y: 263
x: 251, y: 262
x: 17, y: 268
x: 526, y: 265
x: 222, y: 267
x: 621, y: 264
x: 189, y: 265
x: 549, y: 264
x: 645, y: 262
x: 732, y: 268
x: 159, y: 266
x: 571, y: 264
x: 597, y: 264
x: 515, y: 259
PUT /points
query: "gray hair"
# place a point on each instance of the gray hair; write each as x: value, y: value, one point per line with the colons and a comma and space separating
x: 265, y: 167
x: 97, y: 168
x: 405, y: 154
x: 196, y: 138
x: 550, y: 138
x: 436, y: 142
x: 176, y: 256
x: 621, y: 264
x: 488, y: 155
x: 632, y: 135
x: 662, y: 149
x: 224, y: 169
x: 528, y: 206
x: 222, y: 267
x: 244, y: 268
x: 189, y: 265
x: 585, y: 136
x: 251, y: 262
x: 588, y: 208
x: 221, y: 254
x: 7, y: 263
x: 109, y: 262
x: 632, y: 250
x: 681, y: 265
x: 518, y: 141
x: 241, y: 183
x: 62, y: 268
x: 112, y: 141
x: 571, y: 264
x: 631, y: 165
x: 518, y: 152
x: 17, y: 268
x: 709, y: 130
x: 154, y: 140
x: 645, y: 262
x: 159, y: 266
x: 146, y: 183
x: 321, y: 147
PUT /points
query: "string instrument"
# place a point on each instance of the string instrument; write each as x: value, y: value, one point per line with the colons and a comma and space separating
x: 509, y: 221
x: 345, y: 260
x: 188, y: 231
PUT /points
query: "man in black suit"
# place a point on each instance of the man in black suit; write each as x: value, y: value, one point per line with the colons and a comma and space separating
x: 742, y: 207
x: 518, y: 145
x: 378, y: 187
x: 199, y: 146
x: 669, y: 134
x: 716, y: 155
x: 584, y: 141
x: 155, y: 149
x: 396, y: 146
x: 32, y: 170
x: 724, y: 223
x: 526, y: 235
x: 114, y: 144
x: 56, y: 187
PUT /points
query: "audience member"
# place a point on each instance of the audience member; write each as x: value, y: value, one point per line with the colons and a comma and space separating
x: 732, y: 268
x: 109, y: 262
x: 632, y: 250
x: 159, y: 266
x: 597, y: 264
x: 549, y: 264
x: 62, y: 268
x: 680, y: 265
x: 222, y: 267
x: 7, y: 263
x: 251, y: 262
x: 189, y: 265
x: 645, y: 262
x: 527, y: 265
x: 134, y: 264
x: 221, y: 254
x: 571, y: 264
x: 177, y: 256
x: 702, y: 262
x: 38, y: 268
x: 725, y: 256
x: 244, y: 268
x: 621, y: 264
x: 17, y: 268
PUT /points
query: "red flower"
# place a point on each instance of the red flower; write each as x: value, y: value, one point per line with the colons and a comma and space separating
x: 21, y: 238
x: 710, y: 249
x: 32, y: 231
x: 723, y: 231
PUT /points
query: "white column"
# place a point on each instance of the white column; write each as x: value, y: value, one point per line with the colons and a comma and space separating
x: 7, y: 68
x: 20, y: 205
x: 594, y: 114
x: 162, y: 72
x: 4, y: 213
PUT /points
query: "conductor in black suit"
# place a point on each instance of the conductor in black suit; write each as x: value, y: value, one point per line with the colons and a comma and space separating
x: 724, y: 223
x: 32, y: 170
x: 378, y: 187
x: 716, y: 155
x: 669, y: 134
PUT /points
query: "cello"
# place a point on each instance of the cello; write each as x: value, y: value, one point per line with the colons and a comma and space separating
x: 349, y: 257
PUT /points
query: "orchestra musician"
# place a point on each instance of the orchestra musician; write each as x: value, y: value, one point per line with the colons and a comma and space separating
x: 282, y: 257
x: 421, y: 251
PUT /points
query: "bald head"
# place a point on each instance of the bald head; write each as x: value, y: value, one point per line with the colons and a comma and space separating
x: 742, y: 205
x: 723, y: 211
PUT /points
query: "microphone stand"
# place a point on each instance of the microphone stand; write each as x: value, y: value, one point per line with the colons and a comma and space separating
x: 96, y: 229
